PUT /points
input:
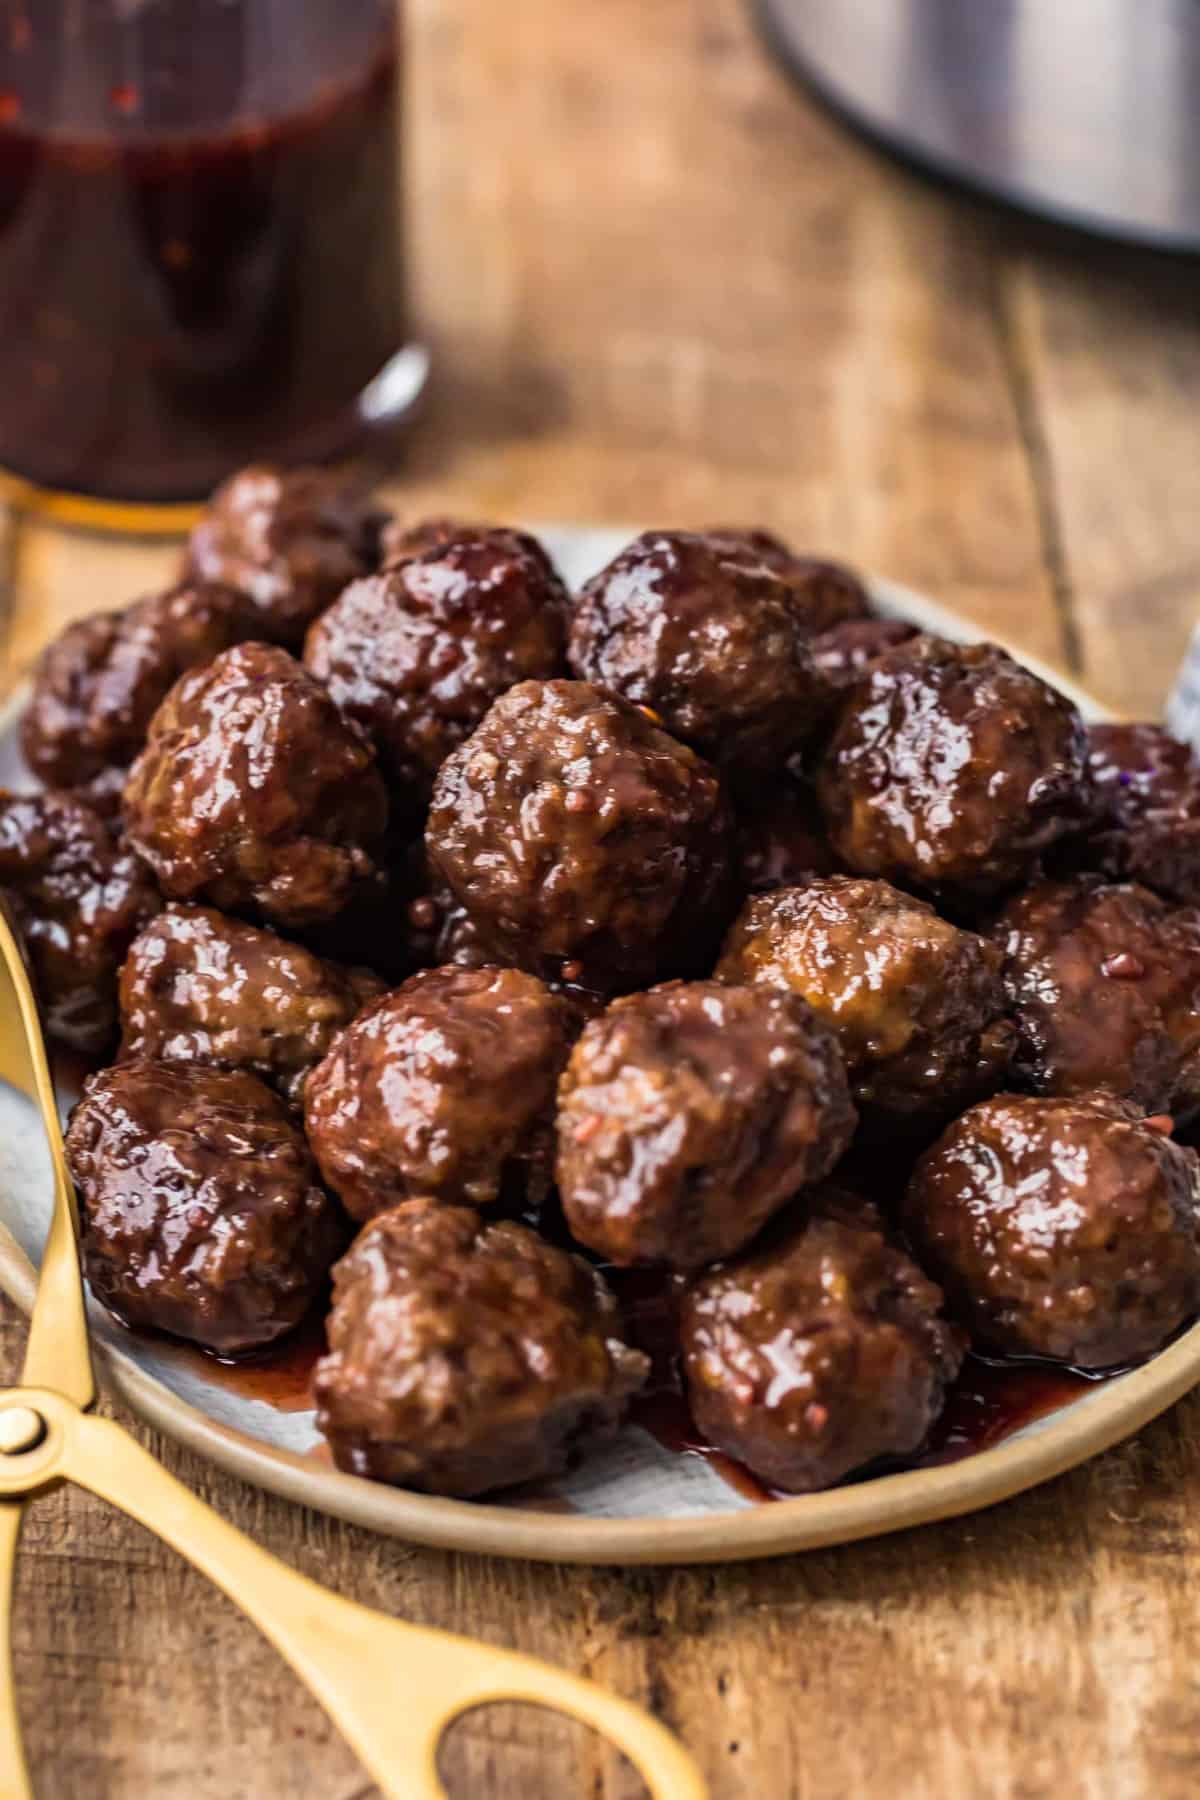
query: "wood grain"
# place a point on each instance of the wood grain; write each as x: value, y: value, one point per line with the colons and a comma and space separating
x: 663, y: 287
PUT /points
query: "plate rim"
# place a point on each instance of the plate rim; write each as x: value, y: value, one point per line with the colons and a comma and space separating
x: 871, y: 1508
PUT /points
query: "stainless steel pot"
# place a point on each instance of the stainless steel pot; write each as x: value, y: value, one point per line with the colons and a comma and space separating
x: 1088, y: 110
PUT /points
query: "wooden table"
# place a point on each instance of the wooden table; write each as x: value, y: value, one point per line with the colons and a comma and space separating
x: 663, y: 287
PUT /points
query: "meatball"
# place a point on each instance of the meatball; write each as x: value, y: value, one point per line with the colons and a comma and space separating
x: 466, y: 1355
x: 200, y: 987
x: 819, y: 1352
x: 444, y: 1088
x: 417, y: 655
x: 79, y: 898
x: 201, y: 1211
x: 584, y: 842
x: 689, y: 1114
x: 952, y: 769
x: 708, y: 636
x: 917, y: 1004
x: 290, y: 541
x: 1061, y: 1228
x: 823, y: 594
x: 781, y: 839
x: 844, y: 651
x: 253, y: 792
x: 98, y: 685
x: 1104, y: 984
x: 1148, y: 829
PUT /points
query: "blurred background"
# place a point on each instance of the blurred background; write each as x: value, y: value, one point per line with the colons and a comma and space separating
x: 661, y: 282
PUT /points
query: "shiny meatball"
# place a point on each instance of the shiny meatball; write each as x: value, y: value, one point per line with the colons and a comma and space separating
x: 1104, y: 984
x: 200, y: 987
x: 290, y: 541
x: 952, y: 769
x: 689, y: 1114
x: 1148, y: 828
x: 202, y: 1215
x: 844, y: 651
x: 822, y: 594
x: 917, y: 1004
x: 99, y: 683
x: 466, y: 1355
x: 417, y: 655
x: 79, y: 898
x: 707, y: 635
x: 253, y: 792
x: 820, y: 1351
x: 781, y: 838
x: 444, y: 1087
x: 583, y: 841
x: 1063, y: 1228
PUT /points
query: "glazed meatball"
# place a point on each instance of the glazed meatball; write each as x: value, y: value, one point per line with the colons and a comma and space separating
x: 200, y: 987
x: 952, y: 769
x: 254, y: 793
x: 583, y: 841
x: 844, y: 651
x: 201, y: 1211
x: 689, y: 1114
x: 917, y: 1004
x: 466, y: 1355
x: 707, y: 635
x: 1104, y: 984
x: 290, y: 541
x: 1062, y: 1228
x: 417, y: 655
x: 781, y: 838
x: 823, y: 594
x: 98, y: 685
x: 79, y: 898
x: 820, y: 1351
x: 444, y: 1087
x: 1148, y: 828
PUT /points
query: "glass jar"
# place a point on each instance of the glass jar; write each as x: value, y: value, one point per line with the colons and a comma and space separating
x: 200, y: 240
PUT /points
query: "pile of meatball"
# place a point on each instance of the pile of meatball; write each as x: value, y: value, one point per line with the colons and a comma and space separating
x: 455, y: 944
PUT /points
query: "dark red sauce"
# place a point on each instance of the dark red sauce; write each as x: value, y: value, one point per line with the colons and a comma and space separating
x: 195, y: 273
x: 280, y: 1376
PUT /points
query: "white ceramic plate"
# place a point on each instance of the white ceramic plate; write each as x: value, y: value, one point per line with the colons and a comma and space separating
x: 635, y: 1502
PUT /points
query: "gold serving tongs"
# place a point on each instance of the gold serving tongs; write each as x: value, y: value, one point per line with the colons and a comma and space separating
x: 390, y: 1688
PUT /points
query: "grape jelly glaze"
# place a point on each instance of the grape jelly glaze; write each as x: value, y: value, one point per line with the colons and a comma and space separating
x: 207, y: 275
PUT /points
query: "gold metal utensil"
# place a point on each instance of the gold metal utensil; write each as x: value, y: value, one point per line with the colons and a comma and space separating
x: 390, y: 1688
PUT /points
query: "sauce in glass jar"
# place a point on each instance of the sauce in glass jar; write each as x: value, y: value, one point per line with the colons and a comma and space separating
x: 199, y: 235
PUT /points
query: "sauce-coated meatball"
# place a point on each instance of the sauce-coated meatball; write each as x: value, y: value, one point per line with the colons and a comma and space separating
x: 289, y: 540
x: 844, y: 651
x: 1104, y: 984
x: 98, y: 685
x: 1062, y: 1228
x: 79, y: 898
x: 583, y: 840
x: 952, y: 769
x: 818, y: 1352
x: 781, y: 838
x: 705, y: 633
x: 1148, y: 830
x: 200, y: 987
x: 254, y: 793
x: 202, y: 1215
x: 916, y: 1003
x: 399, y: 540
x: 689, y: 1114
x: 466, y: 1355
x: 444, y: 1087
x: 417, y: 655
